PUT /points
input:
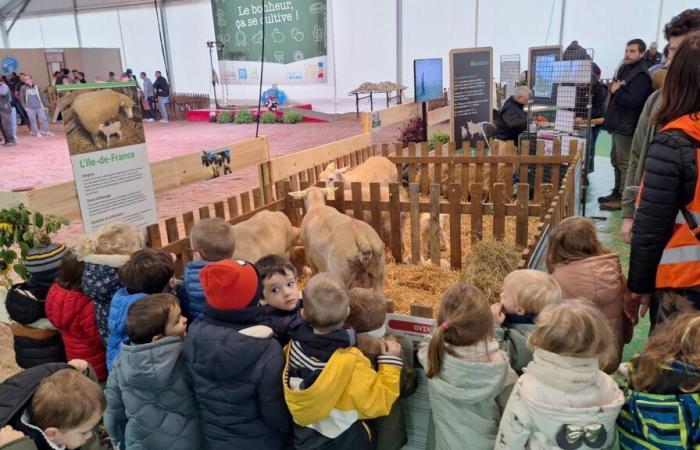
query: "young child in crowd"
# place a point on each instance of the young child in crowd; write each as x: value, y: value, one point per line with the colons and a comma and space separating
x: 331, y: 389
x: 150, y: 401
x: 73, y: 314
x: 280, y: 301
x: 525, y: 293
x: 585, y: 269
x: 469, y: 378
x: 236, y: 364
x: 213, y: 240
x: 564, y: 400
x: 146, y: 272
x: 104, y: 252
x: 55, y: 406
x: 662, y: 407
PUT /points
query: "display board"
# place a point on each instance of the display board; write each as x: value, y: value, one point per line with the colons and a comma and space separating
x: 471, y: 75
x: 540, y: 74
x: 510, y: 74
x: 427, y: 79
x: 295, y: 40
x: 107, y: 146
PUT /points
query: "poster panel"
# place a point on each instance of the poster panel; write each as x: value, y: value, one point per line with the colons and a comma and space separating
x: 107, y: 146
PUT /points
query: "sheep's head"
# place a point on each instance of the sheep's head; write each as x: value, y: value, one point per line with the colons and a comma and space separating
x: 313, y: 196
x: 331, y: 174
x: 127, y: 104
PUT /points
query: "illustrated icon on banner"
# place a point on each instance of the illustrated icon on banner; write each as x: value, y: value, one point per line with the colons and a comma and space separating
x: 257, y: 38
x: 220, y: 17
x: 226, y: 38
x: 298, y: 55
x: 279, y: 57
x: 243, y: 73
x: 241, y: 39
x: 318, y: 33
x: 277, y: 36
x: 316, y: 8
x: 297, y: 35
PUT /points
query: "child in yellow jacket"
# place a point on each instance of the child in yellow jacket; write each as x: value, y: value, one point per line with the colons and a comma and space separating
x: 331, y: 389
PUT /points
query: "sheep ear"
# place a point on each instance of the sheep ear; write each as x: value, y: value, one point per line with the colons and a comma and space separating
x: 330, y: 167
x: 341, y: 170
x: 297, y: 194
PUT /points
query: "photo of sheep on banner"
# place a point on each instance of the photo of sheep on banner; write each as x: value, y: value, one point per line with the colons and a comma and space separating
x: 107, y: 146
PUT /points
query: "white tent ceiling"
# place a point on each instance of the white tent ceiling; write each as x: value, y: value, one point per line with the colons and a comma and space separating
x: 10, y: 8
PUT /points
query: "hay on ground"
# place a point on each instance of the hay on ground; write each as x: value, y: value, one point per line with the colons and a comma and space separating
x: 488, y: 264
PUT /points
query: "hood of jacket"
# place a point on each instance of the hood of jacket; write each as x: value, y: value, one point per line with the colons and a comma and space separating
x: 598, y: 279
x: 118, y: 310
x: 687, y: 124
x: 106, y: 260
x: 149, y: 366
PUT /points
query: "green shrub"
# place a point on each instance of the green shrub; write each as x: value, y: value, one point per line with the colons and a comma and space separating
x: 268, y: 117
x: 292, y: 117
x: 225, y: 117
x: 438, y: 138
x: 244, y: 116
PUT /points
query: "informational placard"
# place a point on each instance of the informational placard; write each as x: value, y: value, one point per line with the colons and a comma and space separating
x: 295, y: 40
x: 510, y: 74
x: 541, y: 72
x: 104, y: 129
x: 410, y: 332
x: 471, y: 81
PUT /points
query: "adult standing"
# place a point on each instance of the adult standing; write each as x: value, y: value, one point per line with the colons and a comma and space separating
x: 665, y: 254
x: 148, y: 94
x: 162, y: 91
x: 675, y: 32
x: 629, y: 91
x: 512, y: 119
x: 6, y: 111
x: 652, y: 56
x: 30, y: 97
x: 63, y: 78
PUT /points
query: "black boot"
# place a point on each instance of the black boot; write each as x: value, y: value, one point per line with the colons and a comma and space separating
x: 615, y: 193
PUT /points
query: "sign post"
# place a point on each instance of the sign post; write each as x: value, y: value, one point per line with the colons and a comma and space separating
x: 104, y: 129
x: 471, y: 79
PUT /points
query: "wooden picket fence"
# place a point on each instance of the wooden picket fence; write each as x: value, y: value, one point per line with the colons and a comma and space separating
x: 181, y: 102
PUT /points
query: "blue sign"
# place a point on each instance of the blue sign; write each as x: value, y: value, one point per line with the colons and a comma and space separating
x: 9, y: 64
x: 243, y: 73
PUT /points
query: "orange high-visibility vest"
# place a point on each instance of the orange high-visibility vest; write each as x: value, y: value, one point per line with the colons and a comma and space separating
x: 680, y: 262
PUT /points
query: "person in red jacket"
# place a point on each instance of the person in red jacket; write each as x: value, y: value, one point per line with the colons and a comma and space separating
x: 73, y: 314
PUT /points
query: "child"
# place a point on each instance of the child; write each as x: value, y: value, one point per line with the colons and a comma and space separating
x: 564, y: 400
x: 332, y: 389
x: 586, y: 269
x: 280, y: 302
x: 469, y: 378
x: 73, y: 314
x: 54, y: 405
x: 236, y: 364
x: 150, y: 401
x: 662, y: 406
x: 146, y: 272
x: 525, y: 293
x: 213, y: 240
x: 104, y: 252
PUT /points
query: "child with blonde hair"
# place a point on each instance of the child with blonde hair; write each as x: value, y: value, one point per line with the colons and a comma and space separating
x: 586, y: 269
x: 469, y: 378
x: 563, y: 400
x: 662, y: 406
x: 104, y: 252
x: 525, y: 293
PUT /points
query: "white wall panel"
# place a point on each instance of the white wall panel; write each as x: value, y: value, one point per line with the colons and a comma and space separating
x: 58, y: 30
x: 142, y: 51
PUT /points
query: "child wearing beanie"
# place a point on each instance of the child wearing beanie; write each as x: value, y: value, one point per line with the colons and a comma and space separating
x: 236, y: 364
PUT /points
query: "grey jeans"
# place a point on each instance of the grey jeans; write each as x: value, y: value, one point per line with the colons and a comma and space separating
x: 6, y: 121
x: 38, y: 115
x: 162, y: 102
x: 620, y: 156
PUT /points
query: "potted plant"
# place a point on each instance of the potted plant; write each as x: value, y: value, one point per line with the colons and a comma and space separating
x: 22, y: 229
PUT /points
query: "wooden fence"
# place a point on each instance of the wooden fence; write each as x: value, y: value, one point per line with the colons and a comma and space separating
x: 180, y: 103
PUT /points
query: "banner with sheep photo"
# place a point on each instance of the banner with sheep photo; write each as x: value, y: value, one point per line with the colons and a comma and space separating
x: 104, y: 129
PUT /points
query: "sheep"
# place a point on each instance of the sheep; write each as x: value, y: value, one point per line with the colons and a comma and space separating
x: 266, y: 233
x: 339, y: 244
x: 111, y: 129
x: 375, y: 169
x: 95, y: 108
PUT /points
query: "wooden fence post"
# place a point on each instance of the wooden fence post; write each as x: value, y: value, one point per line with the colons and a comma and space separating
x: 395, y: 218
x: 434, y: 236
x: 521, y: 220
x: 414, y: 195
x: 455, y: 198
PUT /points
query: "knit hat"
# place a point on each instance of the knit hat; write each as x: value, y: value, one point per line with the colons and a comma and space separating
x: 43, y: 263
x: 230, y: 285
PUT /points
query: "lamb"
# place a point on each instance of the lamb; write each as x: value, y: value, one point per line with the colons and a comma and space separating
x: 110, y: 130
x: 95, y: 108
x: 266, y: 233
x: 376, y: 169
x: 339, y: 244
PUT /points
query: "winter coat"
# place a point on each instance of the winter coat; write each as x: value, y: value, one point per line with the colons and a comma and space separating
x: 627, y: 102
x: 36, y: 346
x: 161, y: 87
x: 100, y: 282
x: 512, y: 120
x: 150, y: 401
x: 512, y: 338
x: 670, y: 180
x: 282, y: 322
x: 643, y: 135
x: 190, y: 292
x: 468, y: 396
x: 24, y: 305
x: 118, y: 310
x: 236, y: 370
x: 73, y: 314
x: 599, y: 279
x: 560, y: 397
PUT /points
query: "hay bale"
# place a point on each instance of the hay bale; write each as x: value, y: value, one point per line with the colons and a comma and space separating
x: 488, y: 264
x: 406, y: 284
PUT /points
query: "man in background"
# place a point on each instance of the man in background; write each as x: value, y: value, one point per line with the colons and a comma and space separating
x: 6, y: 111
x: 512, y: 119
x: 148, y: 94
x: 652, y: 57
x: 162, y: 91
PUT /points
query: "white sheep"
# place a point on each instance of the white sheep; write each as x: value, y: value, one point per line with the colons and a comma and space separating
x: 110, y: 130
x: 376, y: 169
x: 98, y: 107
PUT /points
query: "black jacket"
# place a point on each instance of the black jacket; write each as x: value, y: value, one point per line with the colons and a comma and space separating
x: 161, y: 87
x: 512, y: 121
x: 627, y: 102
x: 670, y: 176
x: 236, y: 370
x: 650, y: 60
